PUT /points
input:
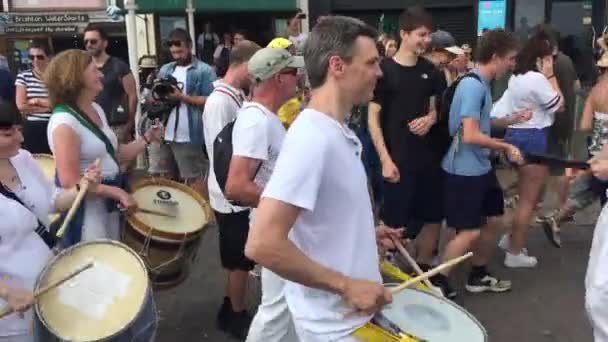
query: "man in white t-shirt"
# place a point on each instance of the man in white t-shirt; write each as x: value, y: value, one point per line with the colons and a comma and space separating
x: 256, y: 141
x: 233, y: 222
x: 314, y: 225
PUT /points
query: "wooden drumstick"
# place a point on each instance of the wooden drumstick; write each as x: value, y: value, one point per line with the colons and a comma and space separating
x: 430, y: 273
x: 412, y: 262
x: 75, y: 205
x: 8, y: 310
x: 155, y: 212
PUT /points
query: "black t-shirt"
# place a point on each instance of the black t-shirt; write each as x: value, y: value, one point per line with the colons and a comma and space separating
x: 404, y: 93
x: 113, y: 94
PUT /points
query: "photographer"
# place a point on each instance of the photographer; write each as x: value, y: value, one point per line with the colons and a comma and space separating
x: 184, y: 142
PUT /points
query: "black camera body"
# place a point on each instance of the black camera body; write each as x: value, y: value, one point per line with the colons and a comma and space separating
x: 162, y: 105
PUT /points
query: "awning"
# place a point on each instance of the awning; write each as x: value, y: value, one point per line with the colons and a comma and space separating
x: 150, y: 6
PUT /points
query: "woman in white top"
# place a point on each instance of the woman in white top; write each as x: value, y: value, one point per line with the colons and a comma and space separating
x: 533, y: 85
x: 78, y: 134
x: 26, y: 199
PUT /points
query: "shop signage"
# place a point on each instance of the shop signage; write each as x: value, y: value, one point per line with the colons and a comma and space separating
x: 49, y: 18
x: 41, y: 29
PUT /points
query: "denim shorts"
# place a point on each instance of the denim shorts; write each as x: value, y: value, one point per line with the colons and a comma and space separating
x: 528, y: 140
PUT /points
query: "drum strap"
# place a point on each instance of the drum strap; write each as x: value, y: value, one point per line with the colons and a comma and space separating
x: 41, y: 230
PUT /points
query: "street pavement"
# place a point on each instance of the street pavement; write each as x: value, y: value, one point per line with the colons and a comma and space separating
x: 546, y: 303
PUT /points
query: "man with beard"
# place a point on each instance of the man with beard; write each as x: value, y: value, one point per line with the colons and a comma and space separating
x: 233, y: 221
x: 184, y: 127
x: 118, y: 84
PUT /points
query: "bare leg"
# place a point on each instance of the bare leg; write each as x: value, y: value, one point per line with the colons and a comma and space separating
x: 237, y: 289
x: 460, y: 245
x: 531, y: 181
x: 486, y: 244
x: 426, y: 242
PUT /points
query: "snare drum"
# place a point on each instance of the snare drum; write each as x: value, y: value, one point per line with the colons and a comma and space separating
x: 168, y: 245
x: 112, y: 301
x: 47, y: 164
x: 423, y: 316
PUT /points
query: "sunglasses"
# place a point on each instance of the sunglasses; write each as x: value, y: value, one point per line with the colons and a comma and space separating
x: 38, y: 57
x: 91, y: 41
x: 176, y: 43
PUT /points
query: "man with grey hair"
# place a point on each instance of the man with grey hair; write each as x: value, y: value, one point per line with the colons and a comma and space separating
x: 257, y: 137
x: 315, y: 217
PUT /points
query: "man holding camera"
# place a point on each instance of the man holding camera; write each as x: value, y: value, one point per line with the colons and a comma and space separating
x: 184, y: 143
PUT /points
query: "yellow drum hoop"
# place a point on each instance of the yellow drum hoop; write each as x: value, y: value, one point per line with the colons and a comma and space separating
x: 162, y: 235
x: 69, y: 250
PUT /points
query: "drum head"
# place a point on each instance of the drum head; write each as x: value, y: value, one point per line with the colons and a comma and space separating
x: 433, y: 319
x: 100, y: 302
x: 47, y: 163
x: 191, y: 211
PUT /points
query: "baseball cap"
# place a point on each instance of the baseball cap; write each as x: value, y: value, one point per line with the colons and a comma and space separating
x: 268, y: 62
x: 445, y: 41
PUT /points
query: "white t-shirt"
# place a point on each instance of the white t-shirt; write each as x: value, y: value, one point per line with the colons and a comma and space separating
x: 23, y: 254
x: 258, y: 134
x: 533, y: 90
x: 320, y: 170
x: 182, y: 132
x: 98, y: 222
x: 221, y: 108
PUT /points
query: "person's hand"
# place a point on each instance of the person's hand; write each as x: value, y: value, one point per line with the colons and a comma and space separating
x: 155, y: 133
x: 92, y: 177
x: 366, y: 297
x: 126, y: 202
x: 521, y: 116
x: 33, y: 102
x: 176, y: 94
x: 514, y: 154
x: 390, y: 172
x: 385, y: 236
x: 421, y: 126
x: 19, y: 300
x: 546, y: 66
x: 599, y: 168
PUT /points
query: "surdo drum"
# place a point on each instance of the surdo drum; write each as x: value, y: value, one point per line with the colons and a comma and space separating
x: 112, y: 301
x: 168, y: 245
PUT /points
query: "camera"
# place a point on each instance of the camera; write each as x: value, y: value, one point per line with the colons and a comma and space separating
x: 162, y: 105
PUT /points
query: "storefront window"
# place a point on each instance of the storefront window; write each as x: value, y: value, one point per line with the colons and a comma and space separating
x: 166, y: 25
x: 528, y: 13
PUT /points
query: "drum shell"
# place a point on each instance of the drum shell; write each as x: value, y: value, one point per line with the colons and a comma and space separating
x: 162, y: 251
x: 141, y: 328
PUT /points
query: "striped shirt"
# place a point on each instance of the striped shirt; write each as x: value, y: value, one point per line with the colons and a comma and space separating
x: 35, y: 88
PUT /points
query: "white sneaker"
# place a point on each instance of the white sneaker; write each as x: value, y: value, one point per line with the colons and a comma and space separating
x: 505, y: 244
x: 521, y: 260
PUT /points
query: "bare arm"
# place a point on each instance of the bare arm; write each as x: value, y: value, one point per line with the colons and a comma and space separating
x: 240, y: 185
x: 130, y: 87
x: 586, y: 123
x: 375, y: 130
x: 31, y: 106
x: 268, y: 245
x: 473, y: 135
x: 555, y: 86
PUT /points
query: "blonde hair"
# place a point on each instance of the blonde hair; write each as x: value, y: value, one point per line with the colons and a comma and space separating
x: 64, y: 76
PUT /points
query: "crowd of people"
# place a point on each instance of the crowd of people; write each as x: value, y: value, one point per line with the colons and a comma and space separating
x: 312, y: 164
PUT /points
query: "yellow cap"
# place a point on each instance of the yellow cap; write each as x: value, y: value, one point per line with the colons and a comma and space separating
x: 280, y: 43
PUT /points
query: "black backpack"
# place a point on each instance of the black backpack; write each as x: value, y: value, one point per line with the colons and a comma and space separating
x: 222, y: 155
x: 442, y: 139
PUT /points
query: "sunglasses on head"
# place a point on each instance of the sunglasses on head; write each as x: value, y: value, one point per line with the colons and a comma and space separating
x: 176, y: 43
x: 91, y: 41
x: 38, y: 57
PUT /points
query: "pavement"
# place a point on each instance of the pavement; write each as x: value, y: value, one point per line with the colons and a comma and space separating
x: 546, y: 303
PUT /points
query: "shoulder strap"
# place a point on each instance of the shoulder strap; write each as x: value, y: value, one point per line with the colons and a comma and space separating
x: 227, y: 91
x: 91, y: 126
x: 44, y: 234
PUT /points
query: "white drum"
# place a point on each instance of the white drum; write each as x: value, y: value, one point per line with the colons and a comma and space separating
x: 430, y: 318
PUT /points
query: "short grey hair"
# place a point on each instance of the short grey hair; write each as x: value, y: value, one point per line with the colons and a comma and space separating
x: 332, y: 36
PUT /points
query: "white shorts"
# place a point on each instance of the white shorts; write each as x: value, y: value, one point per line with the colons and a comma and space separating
x: 272, y: 322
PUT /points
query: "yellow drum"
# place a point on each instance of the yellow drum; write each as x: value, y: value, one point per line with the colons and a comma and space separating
x: 109, y: 301
x: 168, y: 245
x: 47, y: 163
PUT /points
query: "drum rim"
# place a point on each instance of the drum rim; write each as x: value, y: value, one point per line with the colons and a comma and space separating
x: 445, y: 300
x: 87, y: 243
x: 142, y: 228
x: 43, y: 156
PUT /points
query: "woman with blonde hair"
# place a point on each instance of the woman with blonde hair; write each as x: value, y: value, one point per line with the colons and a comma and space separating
x: 78, y: 134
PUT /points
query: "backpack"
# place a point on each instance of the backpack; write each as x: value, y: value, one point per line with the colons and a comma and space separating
x: 442, y: 139
x: 222, y: 154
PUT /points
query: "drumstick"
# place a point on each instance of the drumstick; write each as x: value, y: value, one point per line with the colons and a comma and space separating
x: 155, y: 212
x: 430, y: 273
x: 8, y: 310
x: 75, y: 205
x: 411, y: 261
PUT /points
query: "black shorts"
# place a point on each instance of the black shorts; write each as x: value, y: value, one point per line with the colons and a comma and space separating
x: 233, y: 229
x: 470, y: 200
x: 35, y: 138
x: 417, y: 198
